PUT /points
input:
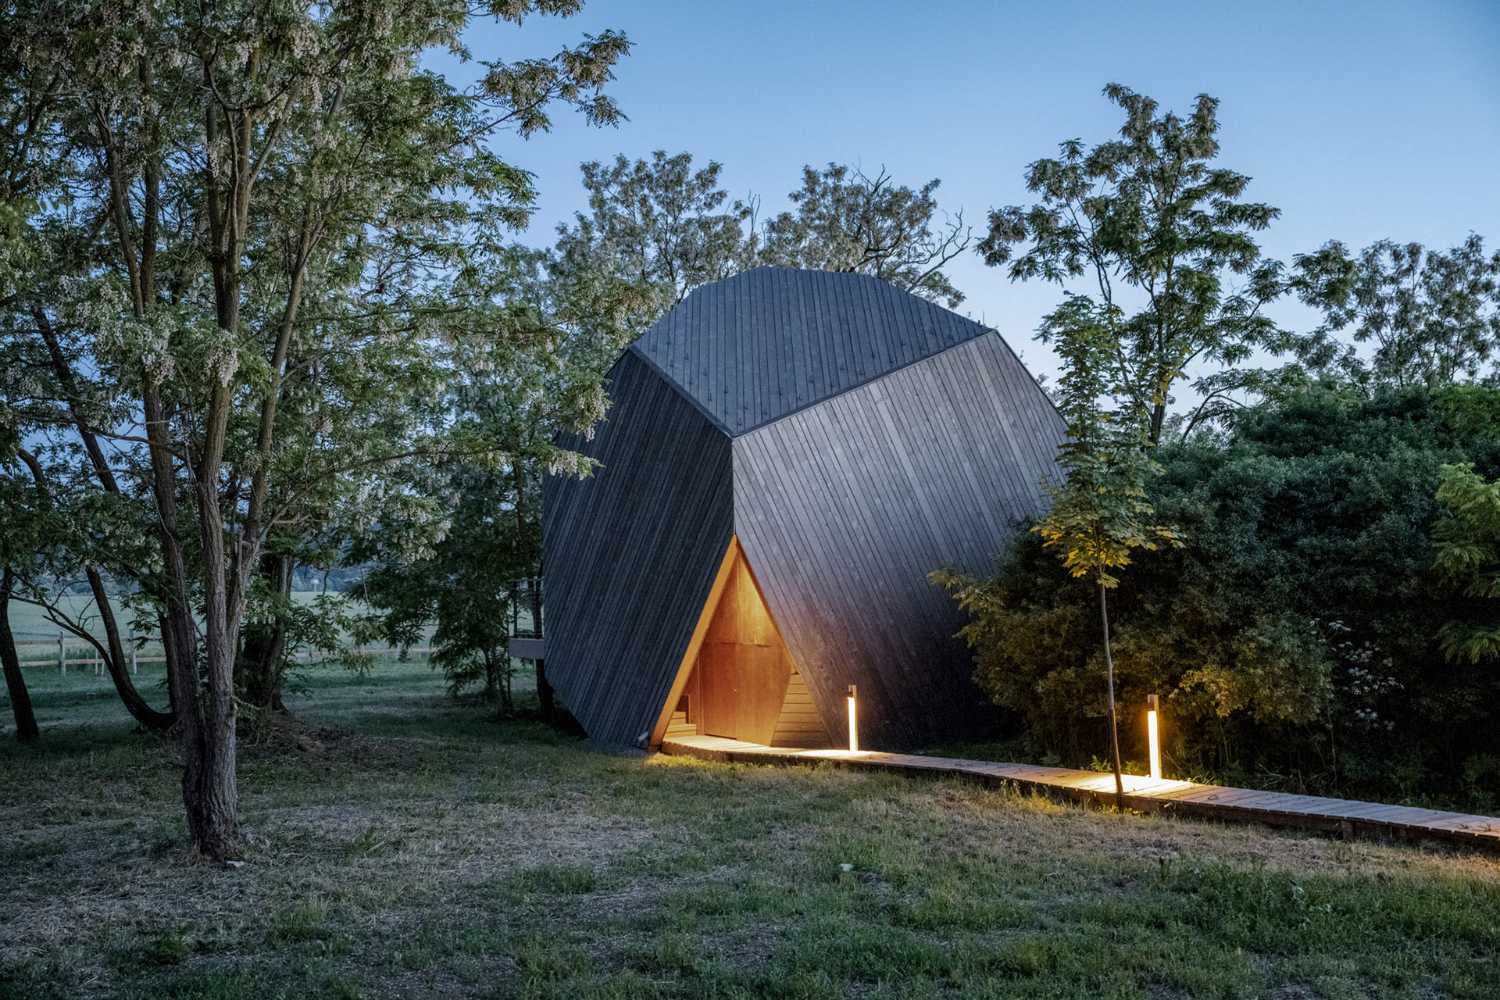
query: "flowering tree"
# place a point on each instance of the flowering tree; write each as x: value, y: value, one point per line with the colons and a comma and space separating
x: 266, y: 233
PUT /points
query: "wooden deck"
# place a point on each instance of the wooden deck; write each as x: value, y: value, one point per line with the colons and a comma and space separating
x: 1345, y: 817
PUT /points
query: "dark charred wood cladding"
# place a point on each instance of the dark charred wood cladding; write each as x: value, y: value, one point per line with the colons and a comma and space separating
x: 631, y: 552
x: 846, y: 438
x: 774, y: 340
x: 842, y: 510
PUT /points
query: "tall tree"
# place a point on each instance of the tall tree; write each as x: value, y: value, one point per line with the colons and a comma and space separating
x: 655, y: 230
x: 251, y: 195
x: 1155, y: 227
x: 1432, y: 316
x: 14, y: 264
x: 1101, y: 514
x: 842, y: 219
x: 466, y: 570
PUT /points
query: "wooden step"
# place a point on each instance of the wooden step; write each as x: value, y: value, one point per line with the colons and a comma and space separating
x: 678, y: 725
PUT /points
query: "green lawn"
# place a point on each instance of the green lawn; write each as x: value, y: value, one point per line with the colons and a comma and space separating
x: 403, y: 846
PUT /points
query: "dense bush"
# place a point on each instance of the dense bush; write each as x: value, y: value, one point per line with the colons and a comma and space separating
x: 1295, y: 637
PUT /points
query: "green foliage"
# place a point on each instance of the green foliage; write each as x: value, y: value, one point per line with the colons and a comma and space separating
x: 266, y: 237
x: 1102, y: 513
x: 368, y: 265
x: 1295, y: 634
x: 654, y: 231
x: 1433, y: 317
x: 1467, y: 555
x: 463, y: 586
x: 1150, y: 213
x: 842, y: 219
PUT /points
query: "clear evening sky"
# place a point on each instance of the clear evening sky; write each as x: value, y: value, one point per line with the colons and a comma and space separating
x: 1358, y: 120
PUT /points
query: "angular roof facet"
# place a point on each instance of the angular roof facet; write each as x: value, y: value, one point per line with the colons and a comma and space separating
x: 773, y: 340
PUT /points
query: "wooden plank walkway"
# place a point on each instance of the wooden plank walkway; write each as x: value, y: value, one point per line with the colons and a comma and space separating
x: 1345, y: 817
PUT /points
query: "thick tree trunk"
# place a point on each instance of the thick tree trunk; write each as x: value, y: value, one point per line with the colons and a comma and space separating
x: 212, y: 797
x: 15, y: 681
x: 205, y: 725
x: 202, y: 687
x: 1114, y: 728
x: 1158, y: 423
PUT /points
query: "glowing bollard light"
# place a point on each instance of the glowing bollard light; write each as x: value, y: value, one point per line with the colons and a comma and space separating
x: 1153, y: 736
x: 853, y: 722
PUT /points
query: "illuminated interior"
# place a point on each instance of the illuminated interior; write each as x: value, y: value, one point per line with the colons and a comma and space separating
x: 738, y: 680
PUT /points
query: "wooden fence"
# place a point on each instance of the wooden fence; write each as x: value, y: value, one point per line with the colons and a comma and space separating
x: 60, y: 654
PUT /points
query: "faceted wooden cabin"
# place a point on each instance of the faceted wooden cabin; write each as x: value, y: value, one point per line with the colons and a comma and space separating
x: 788, y: 455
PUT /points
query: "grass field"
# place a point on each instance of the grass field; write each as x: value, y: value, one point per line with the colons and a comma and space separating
x: 36, y: 636
x: 400, y: 845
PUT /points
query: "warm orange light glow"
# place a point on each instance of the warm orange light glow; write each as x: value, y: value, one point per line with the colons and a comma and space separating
x: 1153, y: 742
x: 1104, y: 784
x: 853, y: 723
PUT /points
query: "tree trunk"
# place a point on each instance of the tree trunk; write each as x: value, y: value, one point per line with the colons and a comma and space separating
x: 1158, y: 423
x: 263, y: 649
x: 211, y: 802
x: 114, y: 655
x: 202, y: 685
x: 491, y: 680
x: 209, y: 786
x: 15, y: 681
x: 118, y: 665
x: 1114, y: 728
x: 543, y: 688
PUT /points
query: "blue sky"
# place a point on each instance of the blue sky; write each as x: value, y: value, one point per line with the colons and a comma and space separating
x: 1358, y: 120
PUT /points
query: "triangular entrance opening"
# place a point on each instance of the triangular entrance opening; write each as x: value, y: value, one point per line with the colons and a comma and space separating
x: 737, y: 679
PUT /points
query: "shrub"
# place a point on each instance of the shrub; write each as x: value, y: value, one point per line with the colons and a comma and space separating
x: 1295, y: 637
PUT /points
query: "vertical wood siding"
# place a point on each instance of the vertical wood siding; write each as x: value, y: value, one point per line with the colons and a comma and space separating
x: 765, y: 343
x: 844, y: 508
x: 631, y: 553
x: 857, y: 438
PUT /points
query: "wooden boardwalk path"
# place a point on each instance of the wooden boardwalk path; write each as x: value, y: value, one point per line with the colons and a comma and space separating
x: 1345, y: 817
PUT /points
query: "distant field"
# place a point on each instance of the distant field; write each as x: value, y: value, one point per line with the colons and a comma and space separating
x: 29, y: 622
x: 37, y: 637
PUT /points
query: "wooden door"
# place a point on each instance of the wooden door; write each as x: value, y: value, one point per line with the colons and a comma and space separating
x: 742, y: 668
